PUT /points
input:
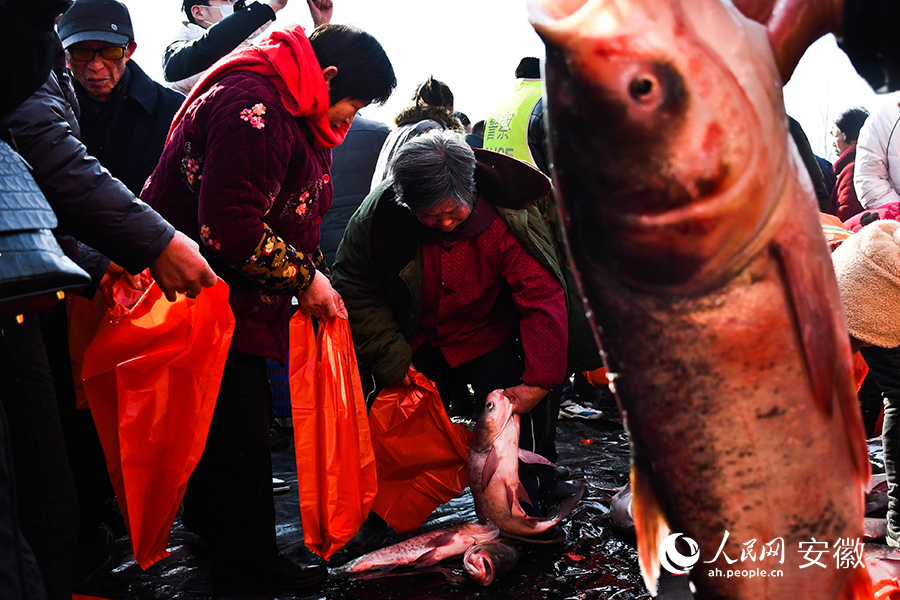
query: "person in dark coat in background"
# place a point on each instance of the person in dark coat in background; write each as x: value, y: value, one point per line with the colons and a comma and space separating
x: 125, y: 115
x: 827, y: 173
x: 352, y: 166
x: 844, y: 203
x: 38, y: 120
x: 476, y: 138
x: 809, y: 161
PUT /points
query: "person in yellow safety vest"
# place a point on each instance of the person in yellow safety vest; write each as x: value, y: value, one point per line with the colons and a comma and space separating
x: 506, y: 130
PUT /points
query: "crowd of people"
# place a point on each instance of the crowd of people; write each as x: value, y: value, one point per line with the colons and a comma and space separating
x: 438, y: 240
x: 145, y: 175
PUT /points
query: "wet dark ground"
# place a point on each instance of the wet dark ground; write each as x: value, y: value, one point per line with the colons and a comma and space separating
x: 596, y: 561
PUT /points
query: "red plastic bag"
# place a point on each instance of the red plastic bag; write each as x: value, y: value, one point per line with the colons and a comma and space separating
x: 151, y: 376
x: 335, y: 465
x: 421, y: 456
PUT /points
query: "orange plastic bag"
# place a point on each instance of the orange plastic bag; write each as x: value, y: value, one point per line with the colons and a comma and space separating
x: 421, y: 455
x: 835, y: 231
x: 597, y: 377
x: 151, y: 376
x: 335, y: 464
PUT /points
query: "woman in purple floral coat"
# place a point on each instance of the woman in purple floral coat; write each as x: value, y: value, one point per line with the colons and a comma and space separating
x: 245, y: 172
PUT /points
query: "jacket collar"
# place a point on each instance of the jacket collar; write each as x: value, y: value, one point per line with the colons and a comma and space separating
x: 500, y: 181
x: 846, y: 157
x: 141, y: 88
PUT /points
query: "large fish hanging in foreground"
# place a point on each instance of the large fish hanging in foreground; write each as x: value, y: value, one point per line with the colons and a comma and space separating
x: 699, y: 250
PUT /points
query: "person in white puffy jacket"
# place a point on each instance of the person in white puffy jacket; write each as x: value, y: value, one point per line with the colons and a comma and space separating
x: 877, y: 176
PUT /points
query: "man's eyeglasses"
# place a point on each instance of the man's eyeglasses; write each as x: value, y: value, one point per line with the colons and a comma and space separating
x: 88, y: 54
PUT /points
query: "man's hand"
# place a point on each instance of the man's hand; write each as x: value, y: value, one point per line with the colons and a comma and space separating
x: 320, y: 11
x: 277, y: 5
x: 321, y: 301
x: 525, y: 397
x: 180, y: 268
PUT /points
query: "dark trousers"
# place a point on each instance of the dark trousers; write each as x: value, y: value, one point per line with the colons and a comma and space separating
x: 884, y: 366
x: 83, y: 446
x: 48, y: 508
x: 20, y: 578
x: 229, y: 499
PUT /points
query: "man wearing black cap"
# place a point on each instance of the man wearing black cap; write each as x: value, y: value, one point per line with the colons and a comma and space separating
x: 125, y: 115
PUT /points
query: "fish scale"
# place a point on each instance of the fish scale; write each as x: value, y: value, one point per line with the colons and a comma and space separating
x: 694, y: 232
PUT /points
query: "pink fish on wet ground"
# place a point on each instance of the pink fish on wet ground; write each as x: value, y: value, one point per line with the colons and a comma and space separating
x: 694, y: 231
x: 426, y: 549
x: 485, y: 563
x: 493, y: 465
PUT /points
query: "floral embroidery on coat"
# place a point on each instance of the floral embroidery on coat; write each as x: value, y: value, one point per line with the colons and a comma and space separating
x: 278, y: 266
x: 299, y: 205
x: 254, y: 115
x: 207, y: 239
x: 192, y: 167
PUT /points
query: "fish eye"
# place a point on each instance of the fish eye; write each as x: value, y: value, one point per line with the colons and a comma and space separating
x: 489, y: 405
x: 642, y: 87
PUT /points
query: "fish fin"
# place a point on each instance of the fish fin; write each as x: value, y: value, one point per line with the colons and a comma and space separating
x: 530, y: 457
x: 565, y: 508
x: 490, y: 467
x: 520, y: 494
x: 650, y: 525
x: 815, y: 323
x: 859, y: 587
x: 824, y: 342
x: 432, y: 557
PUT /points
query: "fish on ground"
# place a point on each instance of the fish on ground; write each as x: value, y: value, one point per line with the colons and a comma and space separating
x: 695, y: 235
x: 876, y: 493
x: 493, y: 466
x: 621, y: 513
x: 425, y: 549
x: 487, y: 562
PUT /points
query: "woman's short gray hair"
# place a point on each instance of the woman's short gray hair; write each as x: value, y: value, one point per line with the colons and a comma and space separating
x: 435, y: 166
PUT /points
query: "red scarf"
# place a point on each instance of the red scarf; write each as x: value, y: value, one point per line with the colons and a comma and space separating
x: 286, y: 58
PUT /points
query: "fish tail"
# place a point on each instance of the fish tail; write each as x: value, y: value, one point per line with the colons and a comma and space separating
x: 650, y: 525
x: 859, y: 587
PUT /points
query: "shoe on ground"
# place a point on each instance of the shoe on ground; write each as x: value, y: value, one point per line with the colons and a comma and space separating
x: 554, y: 535
x: 279, y: 486
x: 285, y: 574
x: 371, y: 536
x: 891, y: 535
x: 569, y: 409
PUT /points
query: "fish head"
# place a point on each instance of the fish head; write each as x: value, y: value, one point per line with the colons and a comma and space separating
x: 485, y: 562
x: 657, y: 144
x: 492, y: 421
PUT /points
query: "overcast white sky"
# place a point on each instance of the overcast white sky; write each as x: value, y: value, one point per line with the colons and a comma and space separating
x: 475, y: 45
